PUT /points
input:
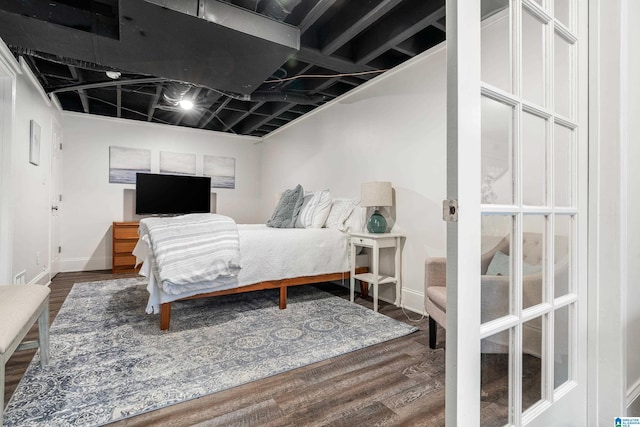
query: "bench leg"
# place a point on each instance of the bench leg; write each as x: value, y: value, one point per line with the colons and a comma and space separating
x: 43, y: 335
x: 2, y: 362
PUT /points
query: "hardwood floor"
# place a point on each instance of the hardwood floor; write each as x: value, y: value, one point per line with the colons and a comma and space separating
x: 399, y: 382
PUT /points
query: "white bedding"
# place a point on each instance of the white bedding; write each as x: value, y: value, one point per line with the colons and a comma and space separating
x: 265, y: 254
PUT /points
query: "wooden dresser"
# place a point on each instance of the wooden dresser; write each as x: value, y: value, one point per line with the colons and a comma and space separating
x: 125, y: 237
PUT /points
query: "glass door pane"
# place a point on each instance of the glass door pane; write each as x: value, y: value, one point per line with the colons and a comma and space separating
x: 496, y: 65
x: 534, y: 259
x: 534, y: 170
x: 495, y: 371
x: 563, y: 154
x: 496, y: 267
x: 562, y: 255
x: 533, y: 60
x: 497, y: 152
x: 532, y: 342
x: 562, y: 80
x: 561, y: 11
x: 561, y: 346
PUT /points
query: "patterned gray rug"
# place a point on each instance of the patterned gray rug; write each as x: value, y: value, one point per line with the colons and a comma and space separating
x: 109, y: 360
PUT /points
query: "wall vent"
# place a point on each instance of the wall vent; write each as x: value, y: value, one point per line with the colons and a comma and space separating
x: 21, y: 278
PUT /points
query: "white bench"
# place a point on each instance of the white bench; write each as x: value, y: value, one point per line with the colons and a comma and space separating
x: 20, y: 307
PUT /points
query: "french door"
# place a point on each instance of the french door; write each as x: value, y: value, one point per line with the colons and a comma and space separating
x: 517, y: 168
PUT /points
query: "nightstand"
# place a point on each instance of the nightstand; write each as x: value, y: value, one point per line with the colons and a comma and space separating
x: 125, y: 237
x: 377, y: 241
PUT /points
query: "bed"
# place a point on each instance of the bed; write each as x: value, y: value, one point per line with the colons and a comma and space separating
x: 266, y: 258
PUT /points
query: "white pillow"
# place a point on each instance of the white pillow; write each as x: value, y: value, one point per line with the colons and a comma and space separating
x: 304, y: 209
x: 314, y: 210
x: 340, y: 211
x: 321, y: 212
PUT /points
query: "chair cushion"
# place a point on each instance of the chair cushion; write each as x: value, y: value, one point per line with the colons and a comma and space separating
x: 438, y: 294
x: 18, y: 304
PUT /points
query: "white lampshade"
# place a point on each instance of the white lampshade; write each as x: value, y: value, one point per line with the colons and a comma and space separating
x: 376, y: 194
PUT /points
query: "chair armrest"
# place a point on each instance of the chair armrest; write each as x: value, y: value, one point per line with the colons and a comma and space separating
x: 435, y: 272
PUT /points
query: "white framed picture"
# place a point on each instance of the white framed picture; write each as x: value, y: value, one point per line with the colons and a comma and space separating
x: 222, y: 171
x: 34, y: 143
x: 125, y: 162
x: 177, y: 163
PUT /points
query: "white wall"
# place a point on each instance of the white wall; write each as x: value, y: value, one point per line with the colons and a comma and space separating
x: 30, y: 197
x: 91, y: 203
x: 392, y: 129
x: 633, y: 207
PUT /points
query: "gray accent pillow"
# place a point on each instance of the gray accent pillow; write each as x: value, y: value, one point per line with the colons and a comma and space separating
x: 285, y: 214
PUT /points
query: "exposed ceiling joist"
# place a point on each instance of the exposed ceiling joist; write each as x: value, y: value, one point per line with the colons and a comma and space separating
x: 401, y: 24
x: 359, y: 18
x: 316, y: 12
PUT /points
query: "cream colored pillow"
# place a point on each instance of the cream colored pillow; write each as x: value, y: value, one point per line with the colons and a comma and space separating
x: 340, y: 211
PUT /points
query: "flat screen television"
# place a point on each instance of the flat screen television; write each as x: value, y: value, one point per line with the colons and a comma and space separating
x: 159, y: 194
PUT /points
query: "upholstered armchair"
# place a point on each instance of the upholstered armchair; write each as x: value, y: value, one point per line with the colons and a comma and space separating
x: 495, y: 297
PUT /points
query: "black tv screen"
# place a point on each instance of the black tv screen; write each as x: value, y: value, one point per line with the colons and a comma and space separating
x: 172, y: 194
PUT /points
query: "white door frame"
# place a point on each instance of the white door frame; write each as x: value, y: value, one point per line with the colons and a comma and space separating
x: 9, y: 70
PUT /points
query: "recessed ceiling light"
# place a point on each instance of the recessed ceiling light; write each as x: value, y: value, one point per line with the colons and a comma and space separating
x: 113, y: 74
x: 186, y: 104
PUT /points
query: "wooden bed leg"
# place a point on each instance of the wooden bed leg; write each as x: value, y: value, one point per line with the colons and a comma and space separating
x: 283, y: 298
x: 165, y: 316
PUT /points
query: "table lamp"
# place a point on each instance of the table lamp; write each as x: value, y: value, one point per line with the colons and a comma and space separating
x: 376, y: 195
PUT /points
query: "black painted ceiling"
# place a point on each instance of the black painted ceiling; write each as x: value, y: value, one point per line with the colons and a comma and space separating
x: 343, y: 43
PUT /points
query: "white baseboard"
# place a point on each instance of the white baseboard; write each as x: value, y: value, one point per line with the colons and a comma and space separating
x: 413, y: 301
x: 84, y: 264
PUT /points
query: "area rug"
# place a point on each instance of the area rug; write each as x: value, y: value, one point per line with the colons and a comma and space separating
x: 109, y: 359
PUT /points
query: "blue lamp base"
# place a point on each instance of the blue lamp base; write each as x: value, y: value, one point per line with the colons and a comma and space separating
x: 377, y: 223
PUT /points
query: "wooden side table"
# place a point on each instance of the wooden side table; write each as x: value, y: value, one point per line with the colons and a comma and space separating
x: 377, y: 241
x: 125, y: 237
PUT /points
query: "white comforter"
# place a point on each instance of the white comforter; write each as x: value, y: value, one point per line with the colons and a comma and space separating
x: 265, y: 254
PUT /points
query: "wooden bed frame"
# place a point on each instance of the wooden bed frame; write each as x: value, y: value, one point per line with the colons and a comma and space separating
x: 282, y: 284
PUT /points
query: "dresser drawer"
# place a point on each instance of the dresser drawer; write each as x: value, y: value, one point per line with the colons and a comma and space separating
x: 125, y: 231
x: 124, y: 261
x: 124, y: 246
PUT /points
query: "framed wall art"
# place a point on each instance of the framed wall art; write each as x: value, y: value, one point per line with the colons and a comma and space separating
x: 34, y: 143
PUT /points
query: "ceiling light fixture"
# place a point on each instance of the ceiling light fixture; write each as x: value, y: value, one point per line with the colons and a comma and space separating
x: 186, y: 104
x: 113, y: 74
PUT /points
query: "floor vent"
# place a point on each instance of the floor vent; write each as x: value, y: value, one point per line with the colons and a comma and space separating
x: 21, y: 278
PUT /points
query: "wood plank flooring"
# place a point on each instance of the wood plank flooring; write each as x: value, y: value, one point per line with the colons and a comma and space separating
x: 398, y: 382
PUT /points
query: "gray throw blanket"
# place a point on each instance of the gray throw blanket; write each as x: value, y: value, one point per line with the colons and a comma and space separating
x: 192, y: 248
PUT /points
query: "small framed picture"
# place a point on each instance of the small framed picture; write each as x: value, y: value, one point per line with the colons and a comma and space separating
x: 34, y: 144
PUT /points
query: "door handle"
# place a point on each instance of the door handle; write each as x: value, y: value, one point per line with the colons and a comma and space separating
x: 54, y: 208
